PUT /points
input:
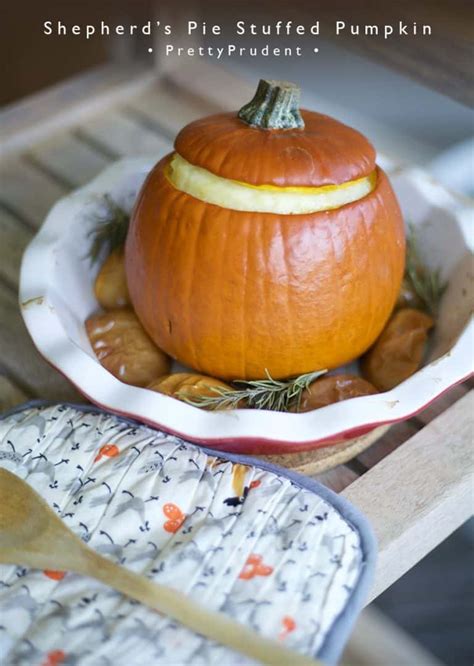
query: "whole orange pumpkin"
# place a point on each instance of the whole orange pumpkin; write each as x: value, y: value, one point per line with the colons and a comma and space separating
x: 269, y: 241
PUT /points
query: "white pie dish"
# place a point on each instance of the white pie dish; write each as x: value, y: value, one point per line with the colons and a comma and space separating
x: 56, y: 297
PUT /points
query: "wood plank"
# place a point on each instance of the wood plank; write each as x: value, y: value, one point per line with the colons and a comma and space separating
x: 14, y: 237
x: 68, y: 159
x: 122, y: 135
x: 10, y: 394
x: 377, y: 640
x: 69, y: 103
x: 207, y: 80
x: 442, y: 403
x: 21, y: 360
x: 27, y: 191
x: 337, y: 479
x: 397, y: 434
x: 419, y: 494
x: 167, y: 108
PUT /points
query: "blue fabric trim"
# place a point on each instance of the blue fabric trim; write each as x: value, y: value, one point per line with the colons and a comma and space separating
x: 336, y: 639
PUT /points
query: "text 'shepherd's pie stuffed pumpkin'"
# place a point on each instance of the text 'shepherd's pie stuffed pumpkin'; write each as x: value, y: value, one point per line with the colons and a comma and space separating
x: 268, y: 241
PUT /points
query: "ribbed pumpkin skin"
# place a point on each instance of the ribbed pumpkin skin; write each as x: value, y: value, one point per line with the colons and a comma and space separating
x: 326, y: 152
x: 232, y: 293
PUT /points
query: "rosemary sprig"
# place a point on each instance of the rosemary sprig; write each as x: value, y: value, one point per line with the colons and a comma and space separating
x: 272, y: 394
x: 425, y: 283
x: 111, y: 230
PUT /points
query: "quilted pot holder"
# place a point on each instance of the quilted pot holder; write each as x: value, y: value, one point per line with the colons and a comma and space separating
x: 274, y: 550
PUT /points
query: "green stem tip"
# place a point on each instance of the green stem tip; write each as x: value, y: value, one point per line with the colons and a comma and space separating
x: 275, y: 105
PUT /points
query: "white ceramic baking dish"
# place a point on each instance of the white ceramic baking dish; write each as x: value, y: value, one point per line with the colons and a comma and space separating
x: 56, y: 296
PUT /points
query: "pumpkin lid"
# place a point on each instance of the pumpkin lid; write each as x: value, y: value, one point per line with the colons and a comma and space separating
x: 270, y: 142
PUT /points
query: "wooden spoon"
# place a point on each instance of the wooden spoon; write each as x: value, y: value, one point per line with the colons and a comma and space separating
x: 32, y: 535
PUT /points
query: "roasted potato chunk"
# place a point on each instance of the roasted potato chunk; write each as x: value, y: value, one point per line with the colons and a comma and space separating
x: 187, y: 386
x: 398, y: 352
x: 333, y: 388
x: 110, y: 286
x: 124, y: 348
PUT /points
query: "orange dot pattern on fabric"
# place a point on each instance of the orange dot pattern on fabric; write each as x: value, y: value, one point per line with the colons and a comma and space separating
x: 289, y: 625
x: 54, y: 575
x: 254, y: 566
x: 175, y: 515
x: 108, y: 450
x: 54, y: 658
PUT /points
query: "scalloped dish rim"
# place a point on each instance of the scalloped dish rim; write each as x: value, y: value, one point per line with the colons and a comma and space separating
x: 241, y: 430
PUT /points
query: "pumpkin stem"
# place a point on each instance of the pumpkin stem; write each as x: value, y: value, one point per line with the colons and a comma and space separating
x: 275, y: 105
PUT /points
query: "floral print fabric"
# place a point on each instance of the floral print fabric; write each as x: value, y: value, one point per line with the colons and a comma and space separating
x: 236, y: 538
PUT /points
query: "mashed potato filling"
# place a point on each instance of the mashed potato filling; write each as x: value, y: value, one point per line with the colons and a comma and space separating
x: 236, y: 195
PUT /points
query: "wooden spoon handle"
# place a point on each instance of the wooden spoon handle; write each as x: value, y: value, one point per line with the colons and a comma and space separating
x: 211, y: 624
